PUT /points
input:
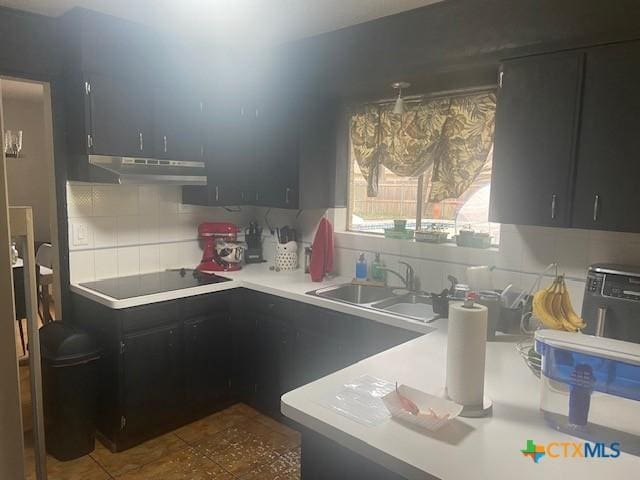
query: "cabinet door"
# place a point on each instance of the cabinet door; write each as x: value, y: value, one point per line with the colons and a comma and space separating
x: 229, y: 153
x: 245, y: 340
x: 177, y: 123
x: 273, y: 362
x: 276, y: 152
x: 207, y: 361
x: 608, y: 164
x: 121, y: 114
x: 152, y: 372
x: 316, y: 355
x: 536, y: 121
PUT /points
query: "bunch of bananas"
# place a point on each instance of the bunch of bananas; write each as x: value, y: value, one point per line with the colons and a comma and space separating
x: 552, y: 306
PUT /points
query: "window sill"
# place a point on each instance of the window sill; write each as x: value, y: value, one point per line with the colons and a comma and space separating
x: 439, y: 252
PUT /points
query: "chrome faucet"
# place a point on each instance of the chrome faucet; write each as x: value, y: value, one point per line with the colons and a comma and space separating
x: 409, y: 280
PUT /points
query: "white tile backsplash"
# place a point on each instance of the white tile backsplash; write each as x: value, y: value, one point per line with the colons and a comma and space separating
x: 171, y: 255
x: 106, y: 200
x: 136, y: 228
x: 106, y: 263
x: 538, y: 248
x: 128, y: 228
x: 145, y: 228
x: 168, y: 200
x: 149, y: 258
x: 104, y: 232
x: 149, y: 227
x: 79, y: 200
x: 148, y: 200
x: 128, y: 261
x: 81, y: 266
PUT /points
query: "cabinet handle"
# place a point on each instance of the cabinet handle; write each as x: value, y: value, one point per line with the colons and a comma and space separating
x: 596, y: 207
x: 164, y: 141
x: 554, y: 198
x: 217, y: 193
x: 286, y: 195
x: 257, y: 196
x: 140, y: 141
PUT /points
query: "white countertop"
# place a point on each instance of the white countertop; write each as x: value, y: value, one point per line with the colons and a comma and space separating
x: 258, y: 277
x: 487, y: 448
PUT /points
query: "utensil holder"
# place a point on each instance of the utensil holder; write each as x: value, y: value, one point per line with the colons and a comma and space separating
x: 286, y: 256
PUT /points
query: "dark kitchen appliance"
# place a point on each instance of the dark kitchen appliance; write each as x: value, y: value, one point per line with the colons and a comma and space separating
x: 150, y: 283
x: 611, y: 305
x: 70, y: 361
x: 253, y: 239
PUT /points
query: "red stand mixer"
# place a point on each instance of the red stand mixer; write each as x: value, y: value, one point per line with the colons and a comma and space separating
x: 221, y: 252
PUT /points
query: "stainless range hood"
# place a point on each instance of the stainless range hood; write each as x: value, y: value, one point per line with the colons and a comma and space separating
x: 150, y: 170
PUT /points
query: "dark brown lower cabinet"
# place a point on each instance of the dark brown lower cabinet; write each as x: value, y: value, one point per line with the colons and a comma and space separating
x: 208, y: 355
x: 167, y: 364
x: 164, y: 364
x: 287, y: 344
x: 151, y: 376
x: 324, y: 459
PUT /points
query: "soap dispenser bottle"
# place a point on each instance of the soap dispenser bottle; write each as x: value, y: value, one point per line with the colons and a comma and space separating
x: 377, y: 269
x: 361, y: 268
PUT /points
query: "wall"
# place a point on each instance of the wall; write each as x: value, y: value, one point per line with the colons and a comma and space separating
x: 133, y: 229
x: 27, y: 177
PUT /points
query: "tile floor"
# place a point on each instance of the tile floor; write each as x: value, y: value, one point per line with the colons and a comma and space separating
x: 236, y: 443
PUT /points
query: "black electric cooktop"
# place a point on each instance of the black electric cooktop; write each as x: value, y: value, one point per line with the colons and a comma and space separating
x: 150, y: 283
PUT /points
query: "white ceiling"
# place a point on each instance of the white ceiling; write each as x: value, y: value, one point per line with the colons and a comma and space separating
x: 254, y: 22
x: 21, y: 90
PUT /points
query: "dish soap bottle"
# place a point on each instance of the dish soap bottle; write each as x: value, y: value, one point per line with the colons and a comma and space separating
x: 361, y: 268
x: 377, y: 272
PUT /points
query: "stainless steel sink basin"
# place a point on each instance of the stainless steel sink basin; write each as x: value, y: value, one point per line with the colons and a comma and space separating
x: 357, y: 294
x: 394, y: 300
x: 411, y: 305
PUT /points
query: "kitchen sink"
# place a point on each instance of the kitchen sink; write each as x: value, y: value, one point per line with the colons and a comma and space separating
x: 412, y: 305
x: 352, y: 293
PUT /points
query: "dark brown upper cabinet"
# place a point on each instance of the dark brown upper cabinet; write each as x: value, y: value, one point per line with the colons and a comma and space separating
x: 608, y: 172
x: 276, y: 151
x: 229, y: 151
x: 536, y: 121
x: 565, y: 143
x: 178, y: 122
x: 120, y: 116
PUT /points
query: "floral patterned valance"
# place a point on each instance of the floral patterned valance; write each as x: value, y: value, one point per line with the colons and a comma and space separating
x: 450, y: 134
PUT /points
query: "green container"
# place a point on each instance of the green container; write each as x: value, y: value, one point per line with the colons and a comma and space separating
x: 398, y: 234
x: 469, y: 239
x: 400, y: 225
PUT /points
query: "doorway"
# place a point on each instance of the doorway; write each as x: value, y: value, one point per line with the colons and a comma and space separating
x: 28, y: 180
x: 28, y: 141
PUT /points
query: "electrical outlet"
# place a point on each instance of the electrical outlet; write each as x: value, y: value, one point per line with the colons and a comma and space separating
x: 80, y: 235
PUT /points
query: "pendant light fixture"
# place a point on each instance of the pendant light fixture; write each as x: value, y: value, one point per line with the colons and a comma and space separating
x: 398, y: 108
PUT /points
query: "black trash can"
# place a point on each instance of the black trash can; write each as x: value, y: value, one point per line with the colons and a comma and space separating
x: 70, y: 361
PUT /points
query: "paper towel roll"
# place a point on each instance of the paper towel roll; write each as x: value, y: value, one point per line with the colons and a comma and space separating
x: 466, y: 348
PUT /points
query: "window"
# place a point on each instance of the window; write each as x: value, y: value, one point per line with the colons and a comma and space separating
x: 423, y: 199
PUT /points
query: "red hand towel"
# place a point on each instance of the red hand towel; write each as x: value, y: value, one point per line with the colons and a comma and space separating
x: 322, y: 251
